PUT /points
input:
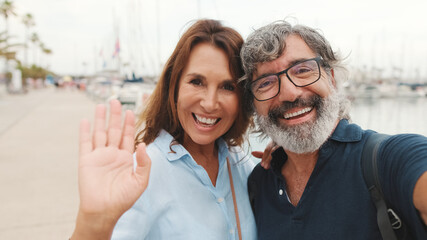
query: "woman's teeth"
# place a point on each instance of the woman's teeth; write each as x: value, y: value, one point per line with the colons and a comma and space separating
x: 207, y: 121
x: 294, y: 114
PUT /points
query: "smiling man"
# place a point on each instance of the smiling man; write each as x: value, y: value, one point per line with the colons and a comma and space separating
x: 315, y: 187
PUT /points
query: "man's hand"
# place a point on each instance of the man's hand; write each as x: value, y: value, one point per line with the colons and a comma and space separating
x: 420, y: 196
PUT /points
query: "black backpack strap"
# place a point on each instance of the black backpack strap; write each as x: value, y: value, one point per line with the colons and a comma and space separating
x: 370, y: 174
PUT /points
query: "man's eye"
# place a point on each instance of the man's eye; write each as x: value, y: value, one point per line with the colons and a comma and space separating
x: 301, y: 70
x: 266, y: 82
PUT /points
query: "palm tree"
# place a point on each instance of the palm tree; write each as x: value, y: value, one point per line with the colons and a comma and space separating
x: 5, y: 47
x: 28, y: 21
x: 45, y: 51
x: 35, y: 40
x: 7, y: 9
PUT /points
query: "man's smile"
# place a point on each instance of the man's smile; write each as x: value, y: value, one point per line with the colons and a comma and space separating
x: 296, y: 114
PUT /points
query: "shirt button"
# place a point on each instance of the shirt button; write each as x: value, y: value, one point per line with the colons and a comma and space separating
x: 220, y: 200
x: 231, y: 231
x: 281, y: 192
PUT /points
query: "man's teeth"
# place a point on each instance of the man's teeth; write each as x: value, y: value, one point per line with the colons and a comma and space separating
x: 209, y: 121
x: 294, y: 114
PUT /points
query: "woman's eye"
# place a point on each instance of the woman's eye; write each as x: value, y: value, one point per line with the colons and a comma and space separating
x: 196, y: 82
x: 229, y: 86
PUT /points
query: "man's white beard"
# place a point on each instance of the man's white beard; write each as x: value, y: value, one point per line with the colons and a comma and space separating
x: 306, y: 137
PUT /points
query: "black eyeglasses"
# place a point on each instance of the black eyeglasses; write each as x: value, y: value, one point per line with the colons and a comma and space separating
x: 301, y: 74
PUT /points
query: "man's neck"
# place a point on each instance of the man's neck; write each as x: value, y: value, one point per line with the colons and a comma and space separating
x: 301, y: 163
x: 296, y: 171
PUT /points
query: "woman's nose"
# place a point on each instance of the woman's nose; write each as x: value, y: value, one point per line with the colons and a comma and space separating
x: 209, y: 101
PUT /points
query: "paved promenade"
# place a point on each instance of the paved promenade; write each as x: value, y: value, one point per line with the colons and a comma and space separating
x: 38, y: 162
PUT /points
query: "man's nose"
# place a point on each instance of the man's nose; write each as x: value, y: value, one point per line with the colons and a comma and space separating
x: 288, y: 91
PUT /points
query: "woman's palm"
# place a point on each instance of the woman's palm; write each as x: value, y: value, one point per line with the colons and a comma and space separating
x: 108, y: 182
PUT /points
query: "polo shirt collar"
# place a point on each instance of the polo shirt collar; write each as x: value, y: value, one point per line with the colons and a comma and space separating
x: 164, y: 140
x: 279, y: 158
x: 347, y: 132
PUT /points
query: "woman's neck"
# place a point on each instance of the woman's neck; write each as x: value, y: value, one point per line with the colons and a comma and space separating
x: 205, y: 156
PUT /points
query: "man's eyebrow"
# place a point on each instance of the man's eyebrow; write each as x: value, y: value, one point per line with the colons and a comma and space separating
x: 292, y: 63
x: 298, y: 60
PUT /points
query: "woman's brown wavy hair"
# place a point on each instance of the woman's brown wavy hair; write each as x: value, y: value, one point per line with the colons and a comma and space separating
x: 160, y: 111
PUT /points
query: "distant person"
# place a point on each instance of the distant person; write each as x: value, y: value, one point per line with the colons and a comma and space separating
x: 314, y: 188
x: 195, y: 186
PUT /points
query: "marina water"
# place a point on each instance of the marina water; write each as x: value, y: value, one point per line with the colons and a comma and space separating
x: 384, y: 115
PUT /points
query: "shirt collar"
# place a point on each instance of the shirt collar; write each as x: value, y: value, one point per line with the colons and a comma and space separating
x: 347, y: 132
x: 279, y: 158
x: 164, y: 140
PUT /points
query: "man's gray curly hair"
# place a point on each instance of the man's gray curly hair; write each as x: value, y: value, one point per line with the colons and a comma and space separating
x: 269, y: 42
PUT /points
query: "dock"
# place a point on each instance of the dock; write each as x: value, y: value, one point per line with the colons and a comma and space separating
x: 38, y: 162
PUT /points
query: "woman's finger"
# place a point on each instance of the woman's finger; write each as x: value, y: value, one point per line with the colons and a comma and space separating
x: 99, y: 134
x: 114, y: 125
x: 143, y: 161
x: 128, y: 134
x: 85, y: 142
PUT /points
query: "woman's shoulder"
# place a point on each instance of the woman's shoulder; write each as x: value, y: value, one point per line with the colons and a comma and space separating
x: 161, y: 144
x: 240, y: 158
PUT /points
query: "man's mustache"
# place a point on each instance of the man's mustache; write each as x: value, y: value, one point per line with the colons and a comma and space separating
x: 277, y: 112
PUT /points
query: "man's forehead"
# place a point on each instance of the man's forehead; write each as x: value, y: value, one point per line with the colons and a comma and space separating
x: 296, y: 50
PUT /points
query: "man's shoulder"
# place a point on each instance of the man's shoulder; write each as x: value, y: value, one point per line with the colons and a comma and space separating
x: 408, y: 137
x: 258, y: 174
x: 257, y: 169
x: 404, y: 144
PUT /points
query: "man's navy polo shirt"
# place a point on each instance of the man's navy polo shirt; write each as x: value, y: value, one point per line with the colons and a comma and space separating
x: 336, y: 203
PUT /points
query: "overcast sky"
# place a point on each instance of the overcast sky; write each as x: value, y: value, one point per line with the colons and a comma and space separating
x: 82, y: 33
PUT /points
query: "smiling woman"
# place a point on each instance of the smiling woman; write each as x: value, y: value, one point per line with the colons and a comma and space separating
x: 195, y: 186
x: 207, y: 104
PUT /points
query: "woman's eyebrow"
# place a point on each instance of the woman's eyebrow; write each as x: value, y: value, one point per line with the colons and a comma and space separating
x: 195, y: 75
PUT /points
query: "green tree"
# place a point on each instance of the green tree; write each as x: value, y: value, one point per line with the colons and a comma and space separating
x: 34, y: 72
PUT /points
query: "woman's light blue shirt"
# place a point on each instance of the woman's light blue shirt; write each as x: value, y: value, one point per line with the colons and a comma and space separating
x: 181, y: 202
